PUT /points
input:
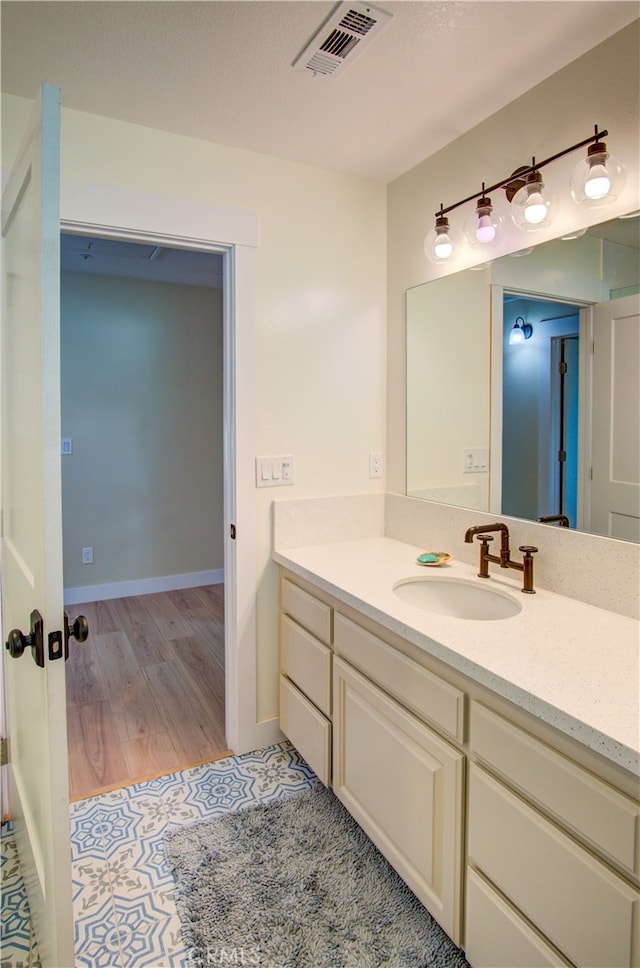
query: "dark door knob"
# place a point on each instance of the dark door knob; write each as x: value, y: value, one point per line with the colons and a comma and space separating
x: 79, y: 630
x: 17, y: 642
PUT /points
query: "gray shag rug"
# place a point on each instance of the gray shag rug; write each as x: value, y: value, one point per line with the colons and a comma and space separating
x: 296, y: 883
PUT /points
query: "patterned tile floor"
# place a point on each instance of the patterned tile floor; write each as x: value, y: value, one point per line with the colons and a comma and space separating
x: 124, y: 912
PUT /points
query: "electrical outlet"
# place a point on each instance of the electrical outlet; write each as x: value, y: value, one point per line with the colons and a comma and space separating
x: 87, y: 556
x: 66, y: 445
x: 376, y: 464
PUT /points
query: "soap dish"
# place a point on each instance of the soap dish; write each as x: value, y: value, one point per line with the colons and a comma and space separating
x: 432, y: 559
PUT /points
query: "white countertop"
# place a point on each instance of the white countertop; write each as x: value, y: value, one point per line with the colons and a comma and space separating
x: 574, y: 666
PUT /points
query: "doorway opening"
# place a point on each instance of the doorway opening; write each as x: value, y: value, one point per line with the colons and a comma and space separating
x: 540, y: 409
x: 143, y: 507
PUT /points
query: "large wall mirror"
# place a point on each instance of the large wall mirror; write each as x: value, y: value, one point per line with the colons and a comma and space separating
x: 523, y: 384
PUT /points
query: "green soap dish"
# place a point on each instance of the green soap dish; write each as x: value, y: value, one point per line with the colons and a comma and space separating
x: 433, y: 558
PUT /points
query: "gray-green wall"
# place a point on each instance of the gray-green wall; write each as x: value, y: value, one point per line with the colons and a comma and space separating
x: 142, y: 402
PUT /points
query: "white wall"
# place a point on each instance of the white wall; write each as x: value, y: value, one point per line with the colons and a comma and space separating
x: 141, y: 366
x: 600, y: 87
x: 448, y: 351
x: 320, y: 327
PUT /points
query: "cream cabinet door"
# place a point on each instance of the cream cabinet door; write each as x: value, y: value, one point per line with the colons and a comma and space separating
x: 403, y: 784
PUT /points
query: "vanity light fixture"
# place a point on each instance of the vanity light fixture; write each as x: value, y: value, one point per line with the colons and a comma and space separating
x: 440, y: 244
x: 520, y: 333
x: 531, y: 205
x: 597, y: 180
x: 483, y: 226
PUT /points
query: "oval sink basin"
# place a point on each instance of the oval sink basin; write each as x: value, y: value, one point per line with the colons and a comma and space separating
x: 457, y: 598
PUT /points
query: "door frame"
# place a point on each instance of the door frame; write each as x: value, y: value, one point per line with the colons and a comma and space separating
x: 129, y: 215
x: 581, y: 307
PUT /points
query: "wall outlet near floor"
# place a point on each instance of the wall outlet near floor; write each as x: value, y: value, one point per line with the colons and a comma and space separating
x: 376, y: 464
x: 87, y: 556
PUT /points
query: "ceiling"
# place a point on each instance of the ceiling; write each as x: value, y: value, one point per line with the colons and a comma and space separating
x: 220, y: 70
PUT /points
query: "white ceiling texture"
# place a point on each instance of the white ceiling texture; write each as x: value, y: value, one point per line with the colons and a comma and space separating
x: 221, y: 70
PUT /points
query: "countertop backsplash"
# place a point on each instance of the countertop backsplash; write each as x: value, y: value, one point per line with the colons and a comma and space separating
x: 600, y: 571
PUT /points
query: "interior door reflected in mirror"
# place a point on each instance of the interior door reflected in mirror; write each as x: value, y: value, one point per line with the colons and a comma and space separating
x: 508, y: 408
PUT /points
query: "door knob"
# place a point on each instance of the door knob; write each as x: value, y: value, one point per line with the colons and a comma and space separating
x: 17, y: 642
x: 79, y: 631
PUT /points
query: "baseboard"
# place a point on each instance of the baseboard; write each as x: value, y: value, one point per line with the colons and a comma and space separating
x: 142, y: 586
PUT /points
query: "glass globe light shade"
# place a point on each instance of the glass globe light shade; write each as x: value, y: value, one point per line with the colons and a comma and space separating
x: 531, y: 206
x: 440, y: 244
x: 483, y: 226
x: 597, y: 179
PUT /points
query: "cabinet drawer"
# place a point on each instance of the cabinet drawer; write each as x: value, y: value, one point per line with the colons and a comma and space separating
x: 584, y: 909
x: 308, y: 729
x: 307, y: 662
x: 421, y: 691
x: 496, y: 937
x: 595, y: 811
x: 308, y: 611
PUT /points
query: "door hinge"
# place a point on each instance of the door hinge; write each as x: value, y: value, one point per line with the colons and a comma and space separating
x: 4, y: 751
x: 562, y: 367
x: 232, y: 531
x: 562, y: 455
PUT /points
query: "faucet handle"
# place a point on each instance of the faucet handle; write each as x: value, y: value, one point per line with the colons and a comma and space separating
x: 528, y: 550
x: 484, y: 538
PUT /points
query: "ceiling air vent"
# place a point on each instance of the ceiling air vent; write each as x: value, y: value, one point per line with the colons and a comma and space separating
x: 349, y: 29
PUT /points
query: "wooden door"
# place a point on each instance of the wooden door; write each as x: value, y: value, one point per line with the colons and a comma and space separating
x: 31, y: 546
x: 615, y: 454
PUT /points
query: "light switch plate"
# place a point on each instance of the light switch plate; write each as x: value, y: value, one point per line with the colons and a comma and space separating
x: 476, y: 460
x: 274, y: 471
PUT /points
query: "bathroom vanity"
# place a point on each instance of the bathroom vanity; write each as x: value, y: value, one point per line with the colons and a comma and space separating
x: 493, y: 762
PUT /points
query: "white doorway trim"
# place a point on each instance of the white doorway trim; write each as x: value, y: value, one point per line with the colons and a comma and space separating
x: 120, y: 213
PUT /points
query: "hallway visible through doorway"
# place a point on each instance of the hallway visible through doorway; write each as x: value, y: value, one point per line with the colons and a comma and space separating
x: 145, y: 692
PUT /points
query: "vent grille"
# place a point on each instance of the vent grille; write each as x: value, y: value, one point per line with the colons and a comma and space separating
x: 339, y: 44
x: 357, y: 22
x: 342, y: 37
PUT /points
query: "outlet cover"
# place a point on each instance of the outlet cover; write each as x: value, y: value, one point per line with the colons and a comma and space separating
x: 376, y: 464
x: 87, y: 556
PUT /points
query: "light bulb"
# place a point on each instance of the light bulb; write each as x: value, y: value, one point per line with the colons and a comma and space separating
x: 486, y: 230
x: 598, y: 184
x: 531, y: 208
x: 597, y: 179
x: 535, y: 211
x: 440, y: 243
x: 482, y: 226
x: 516, y: 336
x: 443, y: 247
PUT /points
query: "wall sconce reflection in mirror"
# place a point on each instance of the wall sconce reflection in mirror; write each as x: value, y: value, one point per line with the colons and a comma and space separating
x: 596, y: 180
x: 520, y: 332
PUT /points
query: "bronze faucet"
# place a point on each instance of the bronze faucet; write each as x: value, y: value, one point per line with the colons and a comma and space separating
x: 504, y: 558
x: 562, y: 519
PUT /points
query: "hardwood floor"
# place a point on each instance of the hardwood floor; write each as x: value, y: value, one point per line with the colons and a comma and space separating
x: 145, y: 692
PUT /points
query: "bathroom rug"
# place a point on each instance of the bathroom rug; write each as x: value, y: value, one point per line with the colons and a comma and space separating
x: 296, y: 883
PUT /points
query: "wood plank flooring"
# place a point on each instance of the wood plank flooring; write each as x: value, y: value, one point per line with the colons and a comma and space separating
x: 145, y: 692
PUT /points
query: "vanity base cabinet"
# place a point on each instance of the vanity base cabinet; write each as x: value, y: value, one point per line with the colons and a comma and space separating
x: 584, y: 909
x: 404, y: 786
x: 496, y: 935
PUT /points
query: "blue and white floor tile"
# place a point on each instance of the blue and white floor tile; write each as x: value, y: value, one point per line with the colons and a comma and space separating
x: 17, y: 945
x: 124, y: 911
